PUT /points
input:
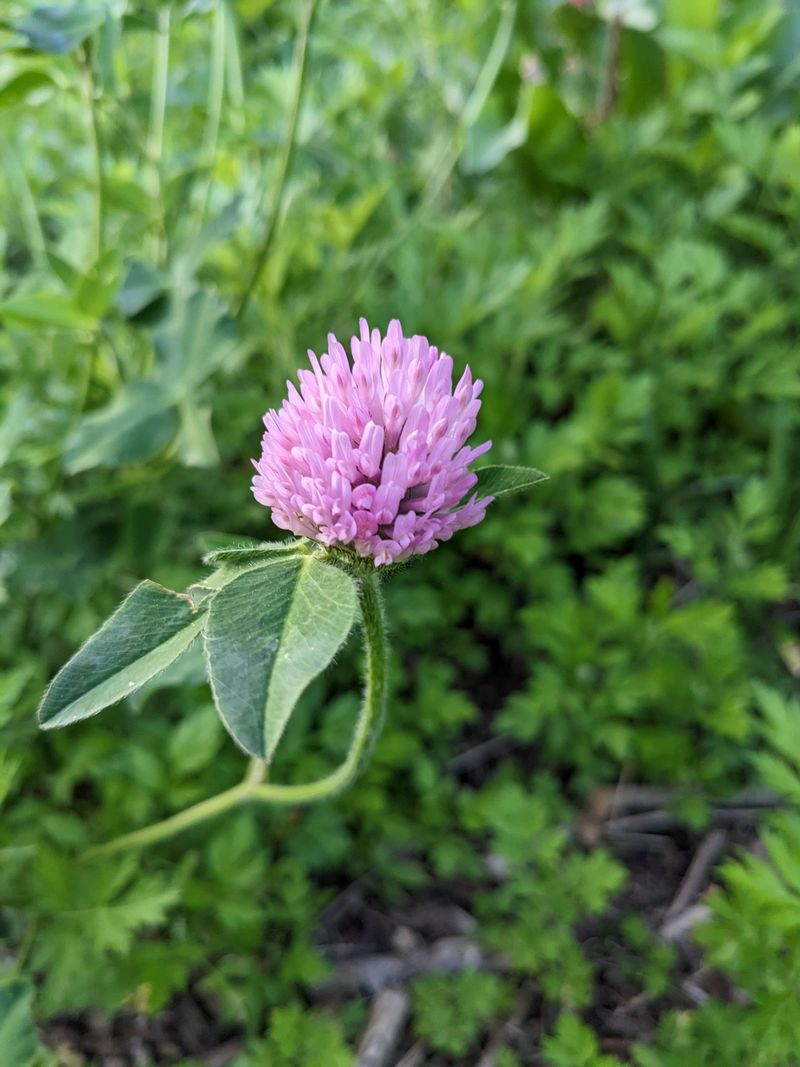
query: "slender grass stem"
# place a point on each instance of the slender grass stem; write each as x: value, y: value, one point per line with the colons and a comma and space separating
x: 216, y: 83
x: 609, y: 89
x: 475, y: 103
x: 285, y: 157
x: 254, y: 787
x: 234, y: 79
x: 155, y: 127
x: 216, y: 94
x: 148, y: 835
x: 451, y: 149
x: 95, y: 143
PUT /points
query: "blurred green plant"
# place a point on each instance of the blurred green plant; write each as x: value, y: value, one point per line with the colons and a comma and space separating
x: 296, y: 1038
x: 753, y: 935
x: 600, y: 213
x: 451, y: 1011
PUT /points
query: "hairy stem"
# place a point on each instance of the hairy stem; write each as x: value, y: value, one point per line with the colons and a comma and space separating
x: 285, y: 158
x: 254, y: 787
x: 206, y: 809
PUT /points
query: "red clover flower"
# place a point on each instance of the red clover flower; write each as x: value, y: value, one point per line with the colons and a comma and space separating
x: 373, y: 456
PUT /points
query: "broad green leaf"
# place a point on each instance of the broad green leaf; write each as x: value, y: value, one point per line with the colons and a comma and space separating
x: 692, y: 14
x: 133, y: 428
x: 127, y: 194
x: 556, y: 143
x: 189, y: 669
x: 15, y: 423
x: 500, y: 480
x: 19, y: 1042
x: 197, y: 339
x: 487, y: 143
x: 20, y: 86
x: 269, y: 632
x: 96, y: 289
x: 35, y: 310
x: 144, y: 635
x: 60, y: 28
x: 142, y: 287
x: 63, y: 269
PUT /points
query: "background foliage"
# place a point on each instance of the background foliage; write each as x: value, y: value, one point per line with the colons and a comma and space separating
x: 598, y: 206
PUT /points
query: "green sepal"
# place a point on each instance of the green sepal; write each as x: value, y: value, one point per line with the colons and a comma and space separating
x: 251, y: 553
x: 501, y: 479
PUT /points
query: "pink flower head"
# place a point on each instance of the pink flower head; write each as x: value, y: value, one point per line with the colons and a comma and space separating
x: 373, y: 456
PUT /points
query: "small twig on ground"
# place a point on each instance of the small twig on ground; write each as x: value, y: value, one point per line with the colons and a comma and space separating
x: 694, y: 992
x: 384, y: 1027
x: 683, y: 924
x: 431, y: 920
x: 630, y: 840
x: 738, y: 816
x: 625, y: 1009
x: 608, y: 803
x: 471, y: 759
x: 632, y: 797
x: 448, y: 955
x: 414, y: 1056
x: 697, y: 874
x: 222, y: 1055
x: 643, y: 822
x: 622, y: 782
x: 745, y: 808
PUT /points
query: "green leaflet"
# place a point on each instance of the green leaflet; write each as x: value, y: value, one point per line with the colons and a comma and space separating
x: 501, y: 480
x: 60, y: 29
x: 269, y: 632
x: 39, y: 310
x: 144, y: 635
x: 142, y: 287
x: 132, y: 428
x: 19, y: 1042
